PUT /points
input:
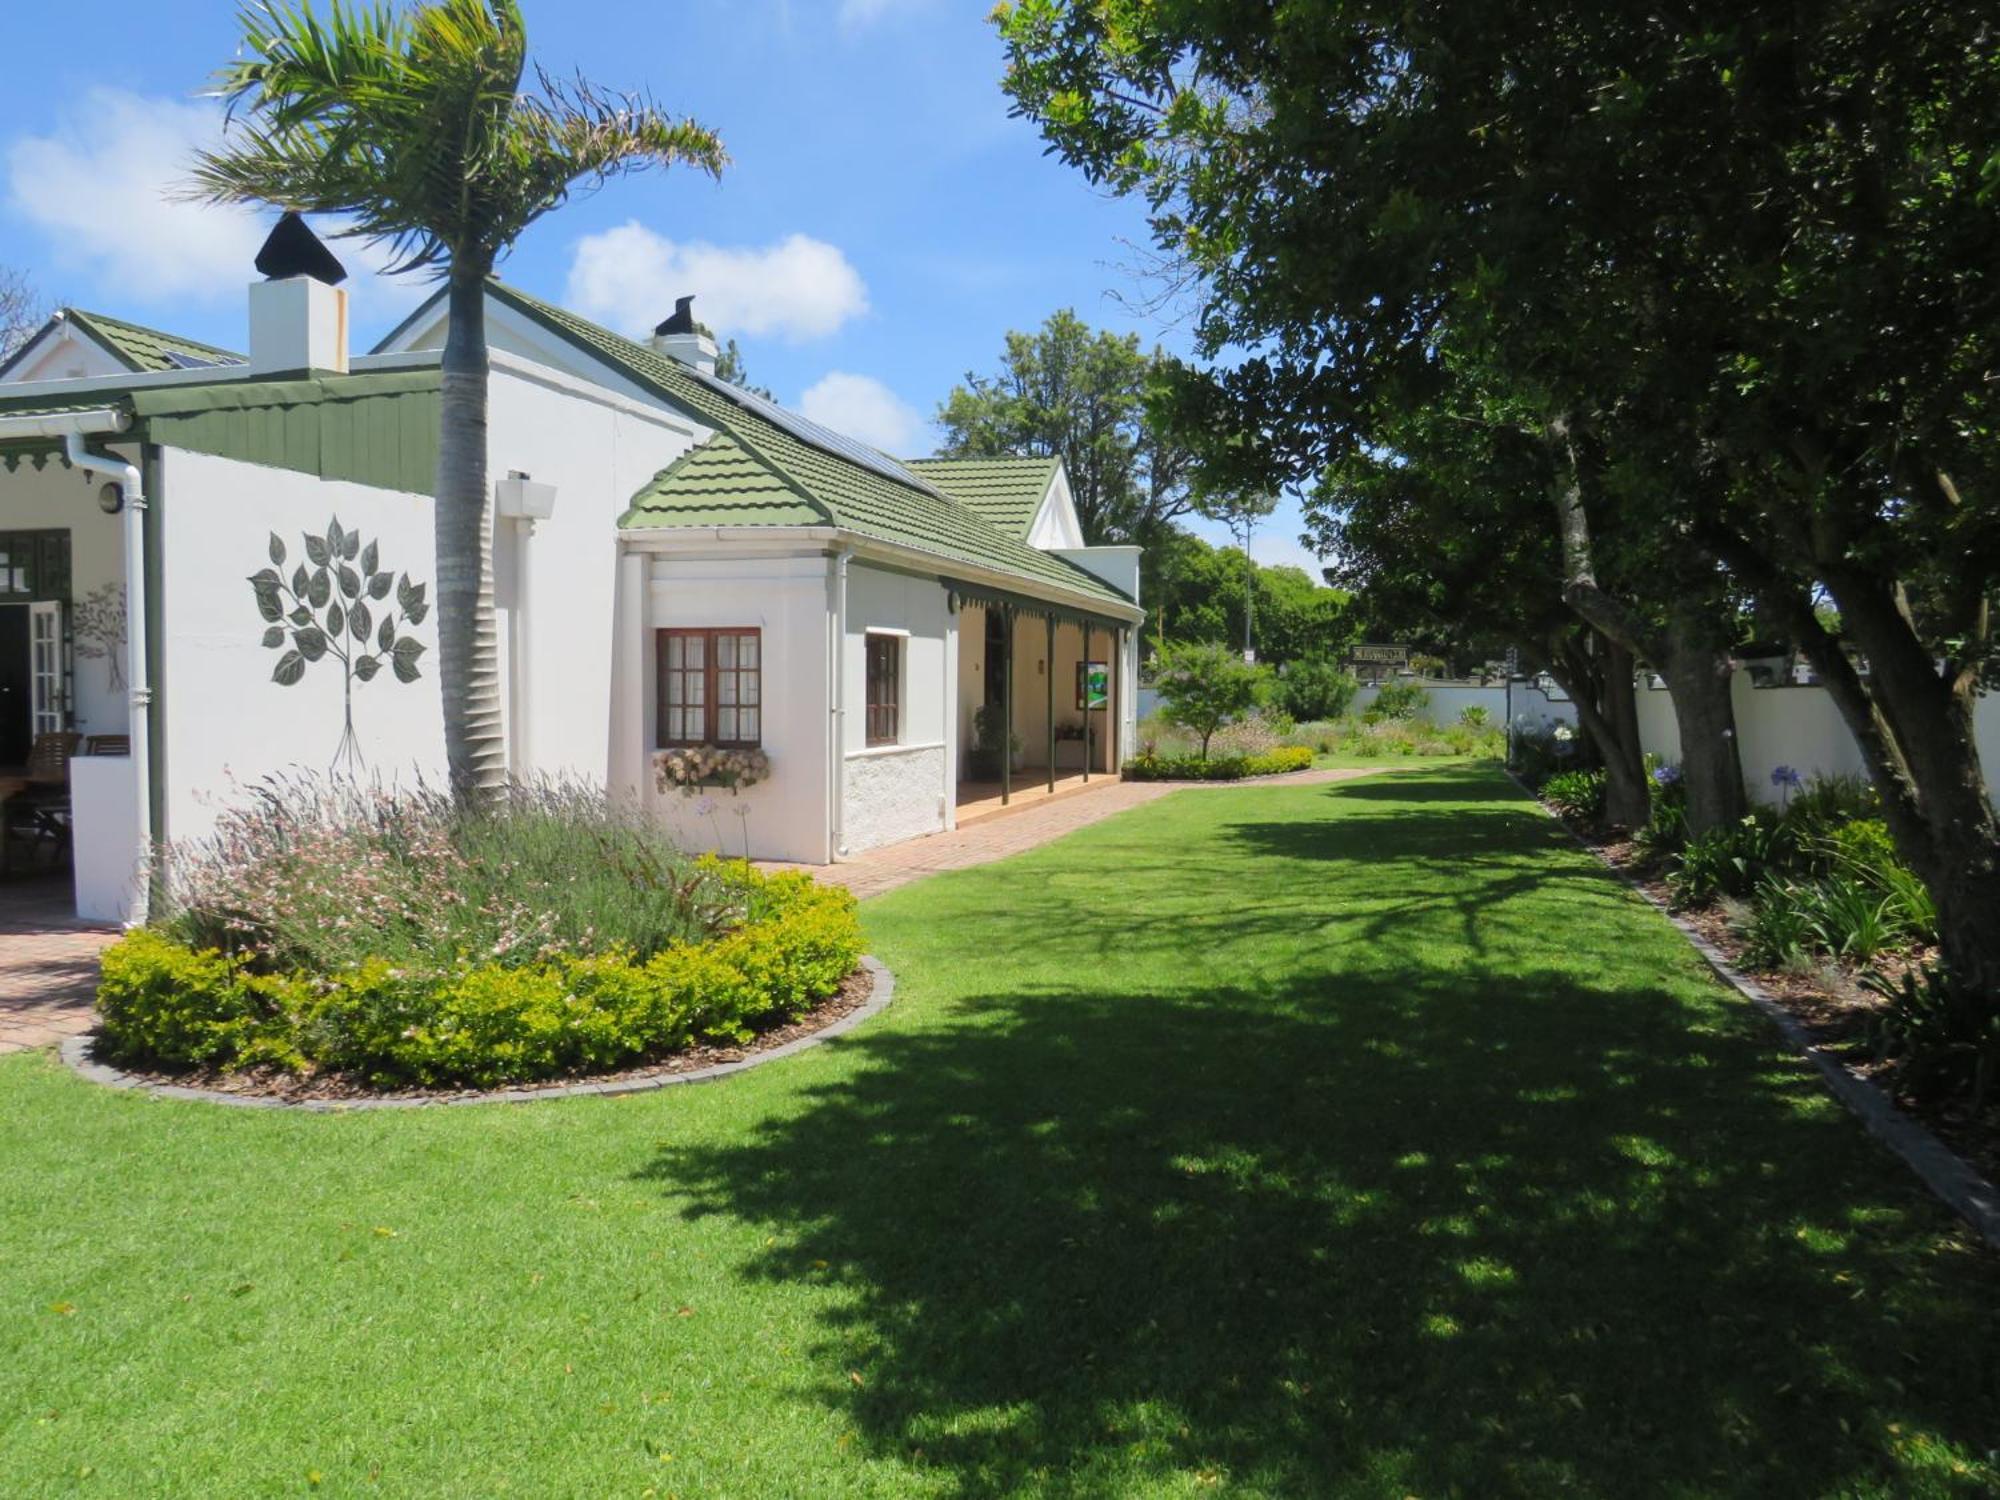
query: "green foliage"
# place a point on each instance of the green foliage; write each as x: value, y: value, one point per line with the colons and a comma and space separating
x: 321, y: 874
x: 1154, y: 767
x: 1400, y: 698
x: 1780, y: 929
x: 481, y: 1023
x: 1315, y: 688
x: 1196, y: 593
x: 1078, y: 394
x: 1728, y: 861
x: 1827, y: 803
x: 989, y: 729
x: 1204, y: 686
x: 1576, y: 795
x: 1474, y: 716
x: 1852, y: 919
x: 1942, y: 1036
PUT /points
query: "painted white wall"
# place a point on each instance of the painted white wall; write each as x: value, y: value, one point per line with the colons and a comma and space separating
x: 901, y: 791
x: 1449, y: 700
x: 57, y: 498
x: 596, y: 454
x: 785, y: 597
x: 1796, y: 726
x: 106, y: 860
x: 227, y: 724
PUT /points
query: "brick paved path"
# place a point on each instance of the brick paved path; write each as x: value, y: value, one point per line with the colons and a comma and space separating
x: 999, y: 835
x: 48, y: 965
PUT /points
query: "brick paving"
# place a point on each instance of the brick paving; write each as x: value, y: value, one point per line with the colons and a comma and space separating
x: 998, y: 835
x: 48, y: 964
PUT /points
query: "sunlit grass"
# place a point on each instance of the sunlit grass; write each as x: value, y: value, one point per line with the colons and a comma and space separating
x: 1349, y: 1140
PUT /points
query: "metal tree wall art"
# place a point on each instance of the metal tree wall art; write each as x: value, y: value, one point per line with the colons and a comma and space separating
x: 99, y: 628
x: 332, y: 607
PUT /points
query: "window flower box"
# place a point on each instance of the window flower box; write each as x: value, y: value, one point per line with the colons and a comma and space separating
x: 692, y: 768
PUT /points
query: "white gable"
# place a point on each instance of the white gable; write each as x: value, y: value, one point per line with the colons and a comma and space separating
x: 1055, y: 524
x: 62, y: 351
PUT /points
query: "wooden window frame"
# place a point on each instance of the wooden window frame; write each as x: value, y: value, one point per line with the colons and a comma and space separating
x: 710, y: 671
x: 893, y: 707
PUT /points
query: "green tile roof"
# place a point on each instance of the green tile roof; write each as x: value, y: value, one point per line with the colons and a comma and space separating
x: 1007, y: 491
x: 148, y: 348
x: 755, y: 472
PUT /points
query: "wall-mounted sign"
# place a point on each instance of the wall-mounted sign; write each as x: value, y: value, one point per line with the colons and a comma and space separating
x: 1384, y: 656
x: 1093, y: 684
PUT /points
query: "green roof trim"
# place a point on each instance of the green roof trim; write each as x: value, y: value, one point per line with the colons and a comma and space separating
x: 743, y: 485
x: 378, y: 428
x: 1008, y: 491
x: 144, y: 348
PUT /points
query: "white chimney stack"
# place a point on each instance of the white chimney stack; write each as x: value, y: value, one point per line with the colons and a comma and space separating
x: 297, y: 323
x: 681, y: 338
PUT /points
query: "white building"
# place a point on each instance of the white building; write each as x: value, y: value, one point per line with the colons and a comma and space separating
x: 675, y: 562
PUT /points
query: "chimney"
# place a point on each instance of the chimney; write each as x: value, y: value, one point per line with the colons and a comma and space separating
x: 681, y: 338
x: 298, y: 314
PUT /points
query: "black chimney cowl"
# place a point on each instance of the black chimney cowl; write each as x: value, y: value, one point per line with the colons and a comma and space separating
x: 294, y: 250
x: 683, y: 319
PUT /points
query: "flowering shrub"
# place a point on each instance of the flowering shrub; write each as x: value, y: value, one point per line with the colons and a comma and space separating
x: 320, y: 874
x: 688, y: 769
x: 481, y: 1023
x: 1577, y: 795
x: 1222, y: 768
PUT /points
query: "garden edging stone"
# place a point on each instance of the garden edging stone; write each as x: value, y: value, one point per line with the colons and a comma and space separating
x: 1950, y: 1178
x: 76, y: 1051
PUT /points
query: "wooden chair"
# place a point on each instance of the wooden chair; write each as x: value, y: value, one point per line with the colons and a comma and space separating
x: 48, y: 757
x: 107, y: 744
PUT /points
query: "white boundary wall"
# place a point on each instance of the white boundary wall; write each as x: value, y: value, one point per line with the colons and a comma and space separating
x: 1796, y: 726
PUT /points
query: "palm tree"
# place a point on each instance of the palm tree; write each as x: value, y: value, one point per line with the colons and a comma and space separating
x: 412, y: 124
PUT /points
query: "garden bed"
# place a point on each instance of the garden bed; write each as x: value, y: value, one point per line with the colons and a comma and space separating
x: 354, y: 940
x: 1826, y: 997
x: 1280, y: 762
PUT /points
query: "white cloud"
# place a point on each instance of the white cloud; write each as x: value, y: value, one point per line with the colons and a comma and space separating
x: 98, y: 185
x: 798, y: 288
x: 864, y: 408
x: 102, y: 186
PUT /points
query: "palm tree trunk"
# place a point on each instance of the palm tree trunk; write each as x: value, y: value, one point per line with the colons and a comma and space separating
x: 468, y: 656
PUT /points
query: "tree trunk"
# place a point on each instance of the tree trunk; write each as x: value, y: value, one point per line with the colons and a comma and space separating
x: 468, y: 657
x: 1696, y: 672
x: 1698, y: 681
x: 1601, y: 689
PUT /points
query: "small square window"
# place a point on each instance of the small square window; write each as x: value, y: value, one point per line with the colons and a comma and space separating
x: 709, y: 688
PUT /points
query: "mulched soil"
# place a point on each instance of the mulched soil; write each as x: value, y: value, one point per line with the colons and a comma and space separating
x: 297, y: 1088
x: 1827, y: 1000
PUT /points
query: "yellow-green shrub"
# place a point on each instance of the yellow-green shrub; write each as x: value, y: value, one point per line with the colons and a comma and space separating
x: 482, y: 1025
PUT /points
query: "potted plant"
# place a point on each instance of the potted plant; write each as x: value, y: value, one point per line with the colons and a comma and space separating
x: 982, y: 760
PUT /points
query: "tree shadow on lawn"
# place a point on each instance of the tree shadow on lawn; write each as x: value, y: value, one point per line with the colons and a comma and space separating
x: 1371, y: 1235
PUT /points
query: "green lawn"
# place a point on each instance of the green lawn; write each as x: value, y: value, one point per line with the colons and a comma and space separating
x: 1361, y: 1139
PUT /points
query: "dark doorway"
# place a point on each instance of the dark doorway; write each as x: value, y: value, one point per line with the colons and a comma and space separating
x: 16, y: 719
x: 996, y: 657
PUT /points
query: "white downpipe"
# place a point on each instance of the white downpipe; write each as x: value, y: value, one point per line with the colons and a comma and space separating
x: 519, y: 677
x: 837, y: 719
x: 126, y: 477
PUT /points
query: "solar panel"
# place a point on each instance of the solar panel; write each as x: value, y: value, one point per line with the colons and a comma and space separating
x: 812, y: 433
x: 182, y: 361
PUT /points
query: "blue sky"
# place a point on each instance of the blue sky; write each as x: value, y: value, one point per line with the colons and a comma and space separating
x: 881, y: 227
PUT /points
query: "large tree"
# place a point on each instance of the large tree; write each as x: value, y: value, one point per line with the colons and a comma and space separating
x: 1080, y: 394
x: 413, y: 124
x: 1738, y: 253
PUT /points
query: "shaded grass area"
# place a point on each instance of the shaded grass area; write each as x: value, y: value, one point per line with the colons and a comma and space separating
x: 1362, y: 1139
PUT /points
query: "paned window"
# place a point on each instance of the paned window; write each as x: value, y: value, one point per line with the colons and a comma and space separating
x: 885, y: 689
x: 711, y: 688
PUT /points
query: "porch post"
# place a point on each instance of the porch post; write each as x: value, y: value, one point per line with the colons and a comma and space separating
x: 1007, y: 709
x: 1084, y: 667
x: 1049, y: 671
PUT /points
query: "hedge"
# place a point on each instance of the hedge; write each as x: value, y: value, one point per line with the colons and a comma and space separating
x: 167, y: 1005
x: 1222, y: 768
